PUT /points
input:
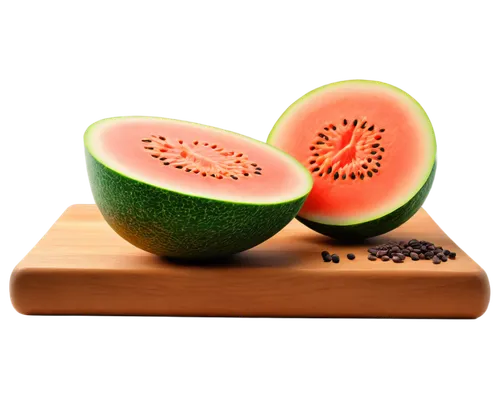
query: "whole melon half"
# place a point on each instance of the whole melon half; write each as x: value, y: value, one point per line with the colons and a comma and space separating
x: 184, y: 190
x: 371, y: 151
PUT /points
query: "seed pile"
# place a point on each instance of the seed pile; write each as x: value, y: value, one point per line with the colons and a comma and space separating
x: 414, y: 249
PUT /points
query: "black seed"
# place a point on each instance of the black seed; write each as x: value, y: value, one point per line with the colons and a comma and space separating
x: 369, y: 159
x: 166, y: 163
x: 431, y: 247
x: 414, y: 256
x: 385, y: 258
x: 334, y: 127
x: 146, y: 140
x: 436, y: 260
x: 345, y: 122
x: 253, y: 165
x: 444, y: 259
x: 234, y: 177
x: 406, y: 252
x: 163, y: 158
x: 395, y: 249
x: 344, y: 176
x: 161, y: 138
x: 149, y: 148
x: 355, y: 122
x: 452, y: 255
x: 382, y: 130
x: 310, y: 148
x: 336, y: 176
x: 320, y: 142
x: 446, y: 252
x: 257, y: 173
x: 351, y: 256
x: 373, y: 153
x: 353, y: 175
x: 377, y: 164
x: 329, y: 170
x: 364, y: 125
x: 316, y: 169
x: 362, y: 176
x: 320, y: 174
x: 381, y: 253
x: 312, y: 162
x: 379, y: 158
x: 375, y: 170
x: 155, y: 155
x: 382, y: 149
x: 335, y: 258
x: 188, y: 170
x: 316, y: 155
x: 397, y: 260
x: 429, y: 255
x: 372, y: 257
x: 246, y: 174
x: 326, y: 256
x: 375, y: 145
x: 365, y: 166
x: 421, y: 256
x: 180, y: 167
x: 258, y: 169
x: 370, y: 174
x: 325, y: 128
x: 371, y: 128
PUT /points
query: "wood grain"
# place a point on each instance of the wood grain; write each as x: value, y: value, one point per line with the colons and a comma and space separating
x: 82, y: 267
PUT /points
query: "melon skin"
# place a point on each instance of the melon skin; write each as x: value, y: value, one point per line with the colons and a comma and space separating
x: 377, y: 226
x: 177, y: 225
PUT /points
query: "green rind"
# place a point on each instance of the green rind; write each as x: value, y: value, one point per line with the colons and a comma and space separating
x: 177, y: 225
x: 380, y: 225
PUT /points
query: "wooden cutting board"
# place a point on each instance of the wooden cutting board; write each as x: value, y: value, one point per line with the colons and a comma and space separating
x: 82, y: 267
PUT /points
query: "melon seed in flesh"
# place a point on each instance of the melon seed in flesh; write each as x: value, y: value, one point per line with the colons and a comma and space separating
x: 371, y: 151
x: 190, y: 191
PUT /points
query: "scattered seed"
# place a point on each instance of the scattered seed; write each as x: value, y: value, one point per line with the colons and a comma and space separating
x: 372, y: 257
x: 452, y: 255
x: 385, y: 258
x: 436, y: 260
x: 335, y: 258
x: 444, y: 259
x: 446, y: 252
x: 351, y: 256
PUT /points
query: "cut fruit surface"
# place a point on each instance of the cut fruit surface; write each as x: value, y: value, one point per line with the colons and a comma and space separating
x: 186, y: 190
x: 371, y: 150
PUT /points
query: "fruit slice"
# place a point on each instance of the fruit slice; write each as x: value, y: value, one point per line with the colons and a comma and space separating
x: 371, y: 150
x: 185, y: 190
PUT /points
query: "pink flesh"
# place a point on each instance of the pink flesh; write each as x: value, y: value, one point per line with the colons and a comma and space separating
x: 123, y: 141
x: 406, y: 151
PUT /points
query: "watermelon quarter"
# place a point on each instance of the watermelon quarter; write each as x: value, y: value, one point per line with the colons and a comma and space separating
x: 371, y: 150
x: 190, y: 191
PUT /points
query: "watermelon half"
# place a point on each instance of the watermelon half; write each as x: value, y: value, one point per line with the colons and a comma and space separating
x: 185, y: 190
x: 371, y: 150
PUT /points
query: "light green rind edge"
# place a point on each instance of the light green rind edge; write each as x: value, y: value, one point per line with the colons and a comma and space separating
x: 392, y: 219
x: 177, y: 225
